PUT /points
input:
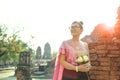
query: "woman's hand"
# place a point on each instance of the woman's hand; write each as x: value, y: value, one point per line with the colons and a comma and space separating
x: 89, y: 65
x: 84, y: 67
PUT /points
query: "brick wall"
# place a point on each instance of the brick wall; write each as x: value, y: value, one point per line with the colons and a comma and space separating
x: 105, y: 60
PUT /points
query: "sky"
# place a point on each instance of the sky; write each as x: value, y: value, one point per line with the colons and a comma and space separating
x: 49, y: 20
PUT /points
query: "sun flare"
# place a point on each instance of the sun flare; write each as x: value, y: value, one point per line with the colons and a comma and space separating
x: 110, y: 23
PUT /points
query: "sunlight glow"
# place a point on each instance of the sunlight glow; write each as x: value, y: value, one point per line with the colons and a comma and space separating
x: 110, y: 23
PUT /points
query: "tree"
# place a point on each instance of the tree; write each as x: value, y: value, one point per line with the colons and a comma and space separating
x: 10, y: 45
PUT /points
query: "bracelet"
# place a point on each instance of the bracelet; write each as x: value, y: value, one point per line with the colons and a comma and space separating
x: 76, y: 68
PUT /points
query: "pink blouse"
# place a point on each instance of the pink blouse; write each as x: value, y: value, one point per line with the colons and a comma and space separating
x: 70, y: 54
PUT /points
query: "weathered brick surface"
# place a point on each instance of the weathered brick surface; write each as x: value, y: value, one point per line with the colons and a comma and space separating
x: 23, y: 69
x: 105, y: 60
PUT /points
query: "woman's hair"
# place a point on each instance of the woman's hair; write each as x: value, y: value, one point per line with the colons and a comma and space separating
x: 80, y: 23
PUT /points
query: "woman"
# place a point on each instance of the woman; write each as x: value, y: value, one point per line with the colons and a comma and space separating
x: 66, y: 65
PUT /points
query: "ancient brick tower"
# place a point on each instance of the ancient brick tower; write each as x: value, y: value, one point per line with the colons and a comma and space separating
x: 117, y: 25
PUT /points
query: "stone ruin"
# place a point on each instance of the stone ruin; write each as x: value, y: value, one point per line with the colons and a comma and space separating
x: 43, y: 64
x: 47, y: 52
x: 38, y: 53
x: 117, y: 26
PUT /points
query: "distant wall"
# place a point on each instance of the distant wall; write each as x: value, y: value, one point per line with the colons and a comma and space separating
x: 105, y: 60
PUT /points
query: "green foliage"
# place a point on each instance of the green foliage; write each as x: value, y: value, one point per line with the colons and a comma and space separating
x: 10, y: 46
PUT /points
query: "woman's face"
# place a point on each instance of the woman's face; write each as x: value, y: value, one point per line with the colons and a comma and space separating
x: 75, y: 29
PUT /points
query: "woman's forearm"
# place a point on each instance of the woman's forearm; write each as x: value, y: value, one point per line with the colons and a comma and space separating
x: 68, y: 65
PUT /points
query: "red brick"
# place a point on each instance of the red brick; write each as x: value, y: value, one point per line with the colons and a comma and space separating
x: 113, y: 47
x: 106, y: 68
x: 114, y: 77
x: 102, y: 51
x: 95, y: 63
x: 100, y: 72
x: 102, y: 77
x: 92, y: 77
x: 105, y: 63
x: 115, y: 68
x: 102, y: 55
x: 92, y: 50
x: 116, y: 63
x: 93, y: 57
x: 113, y: 55
x: 116, y: 73
x: 103, y: 59
x: 115, y: 59
x: 99, y: 47
x: 115, y: 52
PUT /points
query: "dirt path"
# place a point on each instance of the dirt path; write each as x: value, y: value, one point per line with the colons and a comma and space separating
x: 6, y: 73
